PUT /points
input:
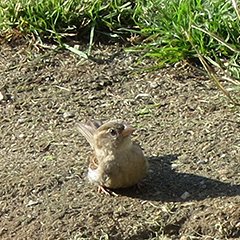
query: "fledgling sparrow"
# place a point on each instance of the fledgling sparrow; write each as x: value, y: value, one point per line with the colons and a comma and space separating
x: 118, y: 162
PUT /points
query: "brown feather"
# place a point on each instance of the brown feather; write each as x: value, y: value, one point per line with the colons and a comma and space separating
x: 88, y: 129
x: 93, y: 162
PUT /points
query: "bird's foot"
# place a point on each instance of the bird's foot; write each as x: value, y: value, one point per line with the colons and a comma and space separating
x: 107, y: 191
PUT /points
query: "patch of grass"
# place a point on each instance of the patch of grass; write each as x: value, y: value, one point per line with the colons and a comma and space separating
x: 213, y: 27
x: 55, y: 19
x: 46, y: 19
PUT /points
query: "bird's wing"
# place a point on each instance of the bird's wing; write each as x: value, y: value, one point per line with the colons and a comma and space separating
x: 88, y: 129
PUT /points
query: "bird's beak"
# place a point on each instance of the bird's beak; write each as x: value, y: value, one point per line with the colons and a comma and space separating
x: 128, y: 130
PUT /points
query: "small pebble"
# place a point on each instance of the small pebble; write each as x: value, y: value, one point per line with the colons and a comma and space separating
x: 31, y: 202
x: 1, y: 96
x: 69, y: 115
x: 185, y: 195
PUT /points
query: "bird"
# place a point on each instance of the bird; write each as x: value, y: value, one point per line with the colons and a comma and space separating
x: 117, y: 161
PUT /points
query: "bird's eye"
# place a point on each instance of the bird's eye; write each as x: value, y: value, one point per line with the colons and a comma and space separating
x: 112, y: 132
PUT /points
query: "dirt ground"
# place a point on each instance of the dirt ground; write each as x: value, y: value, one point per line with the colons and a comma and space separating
x: 189, y: 132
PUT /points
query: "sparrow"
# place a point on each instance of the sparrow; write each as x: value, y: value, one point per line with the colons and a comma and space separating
x: 117, y: 162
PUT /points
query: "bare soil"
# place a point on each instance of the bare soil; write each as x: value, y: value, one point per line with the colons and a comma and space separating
x: 189, y: 132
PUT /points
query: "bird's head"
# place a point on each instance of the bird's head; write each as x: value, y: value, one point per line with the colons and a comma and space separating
x: 113, y: 135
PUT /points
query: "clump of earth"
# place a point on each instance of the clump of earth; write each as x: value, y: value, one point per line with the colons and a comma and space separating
x: 188, y: 129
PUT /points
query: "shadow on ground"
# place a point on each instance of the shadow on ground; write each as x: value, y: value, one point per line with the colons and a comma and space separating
x: 164, y: 184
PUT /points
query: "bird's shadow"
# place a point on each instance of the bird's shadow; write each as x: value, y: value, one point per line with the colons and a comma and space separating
x: 165, y: 184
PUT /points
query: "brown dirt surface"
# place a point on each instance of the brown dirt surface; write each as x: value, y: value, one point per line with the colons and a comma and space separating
x: 189, y: 132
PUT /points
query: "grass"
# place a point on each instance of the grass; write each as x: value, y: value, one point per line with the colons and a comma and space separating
x: 168, y: 22
x: 56, y: 19
x: 169, y: 31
